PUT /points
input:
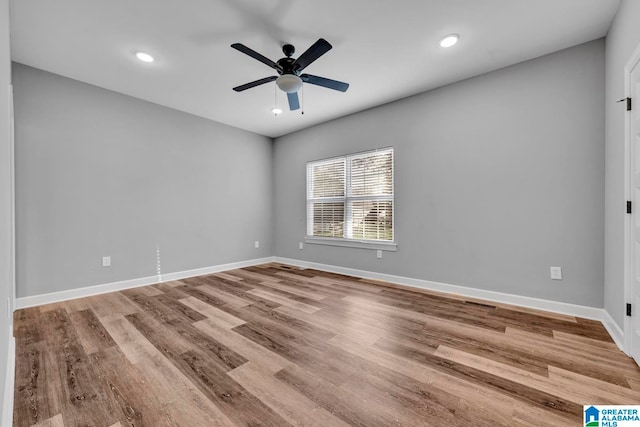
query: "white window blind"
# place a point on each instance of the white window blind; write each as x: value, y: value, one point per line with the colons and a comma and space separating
x: 351, y: 197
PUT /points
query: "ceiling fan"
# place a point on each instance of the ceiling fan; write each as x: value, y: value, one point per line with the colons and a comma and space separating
x: 289, y: 79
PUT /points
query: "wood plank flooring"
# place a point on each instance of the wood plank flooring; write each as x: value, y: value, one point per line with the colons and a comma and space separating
x: 276, y: 345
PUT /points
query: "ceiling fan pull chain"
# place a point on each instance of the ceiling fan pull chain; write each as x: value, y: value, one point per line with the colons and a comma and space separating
x: 302, y: 93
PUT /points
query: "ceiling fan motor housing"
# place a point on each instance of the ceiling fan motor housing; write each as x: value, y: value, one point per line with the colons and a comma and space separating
x: 288, y: 66
x: 289, y: 80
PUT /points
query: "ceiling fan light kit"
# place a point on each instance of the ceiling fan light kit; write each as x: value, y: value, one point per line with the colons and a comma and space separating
x: 289, y: 83
x: 289, y: 79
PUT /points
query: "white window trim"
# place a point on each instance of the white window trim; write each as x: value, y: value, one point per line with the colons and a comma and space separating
x: 385, y: 245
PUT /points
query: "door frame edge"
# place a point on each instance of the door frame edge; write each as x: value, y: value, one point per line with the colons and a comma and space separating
x: 631, y: 63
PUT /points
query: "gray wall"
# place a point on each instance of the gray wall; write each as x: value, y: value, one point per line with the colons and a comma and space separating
x: 497, y: 178
x: 622, y: 39
x: 6, y: 204
x: 99, y: 173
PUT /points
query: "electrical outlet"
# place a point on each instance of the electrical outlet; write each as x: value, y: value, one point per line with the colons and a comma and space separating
x: 300, y: 246
x: 106, y: 261
x: 556, y: 273
x: 256, y: 244
x: 379, y: 254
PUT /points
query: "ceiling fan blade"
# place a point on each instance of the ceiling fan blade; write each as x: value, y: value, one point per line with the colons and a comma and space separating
x: 324, y: 82
x: 316, y: 50
x: 255, y: 55
x: 294, y: 103
x: 255, y: 83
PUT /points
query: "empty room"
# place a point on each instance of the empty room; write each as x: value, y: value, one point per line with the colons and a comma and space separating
x: 295, y: 213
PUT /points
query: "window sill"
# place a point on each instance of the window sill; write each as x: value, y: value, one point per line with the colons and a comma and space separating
x: 360, y: 244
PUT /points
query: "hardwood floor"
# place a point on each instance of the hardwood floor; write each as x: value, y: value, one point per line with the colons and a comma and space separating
x: 276, y: 345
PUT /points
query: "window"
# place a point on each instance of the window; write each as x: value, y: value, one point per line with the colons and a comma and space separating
x: 350, y: 198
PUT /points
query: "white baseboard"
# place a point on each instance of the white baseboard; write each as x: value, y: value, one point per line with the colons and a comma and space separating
x: 7, y: 404
x: 214, y: 269
x: 522, y: 301
x: 613, y: 329
x: 593, y: 313
x: 35, y: 300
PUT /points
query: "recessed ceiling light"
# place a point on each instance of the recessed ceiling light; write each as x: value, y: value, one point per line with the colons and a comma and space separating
x: 144, y: 57
x: 450, y: 40
x: 276, y: 111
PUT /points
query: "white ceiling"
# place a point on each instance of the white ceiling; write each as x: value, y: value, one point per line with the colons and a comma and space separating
x: 386, y: 50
